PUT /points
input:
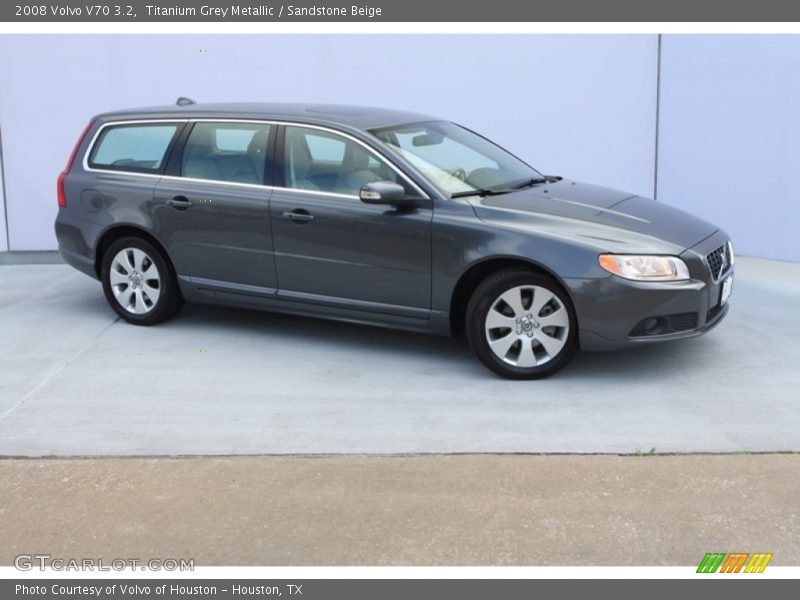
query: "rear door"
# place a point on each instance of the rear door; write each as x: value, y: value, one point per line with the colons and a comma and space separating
x: 212, y: 207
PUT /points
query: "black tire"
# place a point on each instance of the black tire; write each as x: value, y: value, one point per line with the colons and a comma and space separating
x: 169, y: 299
x: 486, y: 296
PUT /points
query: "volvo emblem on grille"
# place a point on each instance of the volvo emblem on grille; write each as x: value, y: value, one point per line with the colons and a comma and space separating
x: 723, y: 262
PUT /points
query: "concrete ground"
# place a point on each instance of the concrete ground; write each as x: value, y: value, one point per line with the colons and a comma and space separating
x: 77, y: 381
x: 427, y: 510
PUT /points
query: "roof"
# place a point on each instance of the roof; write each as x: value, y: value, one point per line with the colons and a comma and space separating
x: 359, y: 117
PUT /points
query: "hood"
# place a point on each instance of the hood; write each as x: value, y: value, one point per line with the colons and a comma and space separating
x: 624, y: 222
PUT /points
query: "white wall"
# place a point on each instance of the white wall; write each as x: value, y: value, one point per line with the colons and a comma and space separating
x: 729, y: 142
x: 3, y: 239
x: 582, y: 106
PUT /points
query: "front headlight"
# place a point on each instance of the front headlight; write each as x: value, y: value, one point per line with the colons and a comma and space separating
x: 645, y: 268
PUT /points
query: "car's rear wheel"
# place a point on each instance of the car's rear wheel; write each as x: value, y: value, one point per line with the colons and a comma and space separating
x: 139, y: 283
x: 521, y: 324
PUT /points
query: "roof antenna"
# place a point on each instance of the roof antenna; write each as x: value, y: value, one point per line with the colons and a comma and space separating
x: 183, y: 101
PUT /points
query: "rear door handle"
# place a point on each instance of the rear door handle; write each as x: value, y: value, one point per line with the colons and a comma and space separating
x: 179, y: 202
x: 298, y: 215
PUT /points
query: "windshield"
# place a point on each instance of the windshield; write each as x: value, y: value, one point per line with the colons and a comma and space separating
x: 454, y: 159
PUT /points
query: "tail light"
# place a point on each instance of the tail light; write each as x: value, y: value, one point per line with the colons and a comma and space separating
x: 62, y: 197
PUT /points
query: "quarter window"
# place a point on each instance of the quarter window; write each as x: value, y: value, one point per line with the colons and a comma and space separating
x: 326, y: 162
x: 234, y: 152
x: 140, y: 148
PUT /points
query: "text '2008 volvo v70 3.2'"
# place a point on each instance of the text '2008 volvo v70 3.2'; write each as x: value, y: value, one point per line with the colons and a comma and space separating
x: 382, y: 217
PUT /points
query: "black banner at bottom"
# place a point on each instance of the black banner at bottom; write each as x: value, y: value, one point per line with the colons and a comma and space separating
x: 393, y: 589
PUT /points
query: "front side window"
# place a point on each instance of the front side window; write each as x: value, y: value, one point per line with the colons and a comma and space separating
x: 232, y: 152
x: 140, y: 148
x: 321, y: 161
x: 454, y: 159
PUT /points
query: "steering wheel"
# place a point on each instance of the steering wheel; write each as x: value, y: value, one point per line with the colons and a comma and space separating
x: 458, y: 173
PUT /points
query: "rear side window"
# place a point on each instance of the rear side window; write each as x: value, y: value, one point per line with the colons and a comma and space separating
x: 231, y: 152
x: 140, y: 148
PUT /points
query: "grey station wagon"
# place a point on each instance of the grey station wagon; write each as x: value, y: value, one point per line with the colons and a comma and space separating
x: 381, y: 217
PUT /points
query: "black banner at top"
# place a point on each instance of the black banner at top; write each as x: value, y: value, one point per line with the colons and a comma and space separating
x: 400, y: 11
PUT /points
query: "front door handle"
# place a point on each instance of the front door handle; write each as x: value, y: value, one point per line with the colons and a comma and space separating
x: 298, y: 215
x: 179, y: 202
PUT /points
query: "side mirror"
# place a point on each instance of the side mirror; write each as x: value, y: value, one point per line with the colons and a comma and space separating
x: 385, y: 192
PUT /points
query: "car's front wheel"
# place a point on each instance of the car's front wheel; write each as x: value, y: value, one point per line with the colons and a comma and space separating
x: 138, y: 282
x: 521, y: 324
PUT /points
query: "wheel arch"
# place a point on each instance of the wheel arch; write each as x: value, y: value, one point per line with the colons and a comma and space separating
x: 116, y: 232
x: 478, y: 271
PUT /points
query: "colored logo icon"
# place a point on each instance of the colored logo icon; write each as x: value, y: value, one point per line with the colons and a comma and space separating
x: 734, y: 562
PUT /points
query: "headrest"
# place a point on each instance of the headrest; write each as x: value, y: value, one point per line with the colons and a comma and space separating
x: 258, y: 144
x: 355, y: 158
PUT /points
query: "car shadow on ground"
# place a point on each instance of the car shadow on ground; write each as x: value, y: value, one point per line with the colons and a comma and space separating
x: 663, y: 360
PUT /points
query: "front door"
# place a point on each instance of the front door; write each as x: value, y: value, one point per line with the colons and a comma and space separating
x: 334, y: 250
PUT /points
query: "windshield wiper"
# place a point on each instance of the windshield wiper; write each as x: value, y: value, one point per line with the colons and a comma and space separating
x: 533, y: 181
x: 507, y: 190
x: 483, y: 192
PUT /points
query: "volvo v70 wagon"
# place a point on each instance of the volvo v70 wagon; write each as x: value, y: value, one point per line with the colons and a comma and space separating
x: 381, y: 217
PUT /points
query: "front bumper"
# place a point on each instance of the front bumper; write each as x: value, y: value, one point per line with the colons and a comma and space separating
x: 617, y: 313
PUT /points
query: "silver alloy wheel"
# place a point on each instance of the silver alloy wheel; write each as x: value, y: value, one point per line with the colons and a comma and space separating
x: 135, y: 280
x: 527, y: 326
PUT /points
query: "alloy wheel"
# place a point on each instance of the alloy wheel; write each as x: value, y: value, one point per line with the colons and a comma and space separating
x: 527, y: 326
x: 135, y: 280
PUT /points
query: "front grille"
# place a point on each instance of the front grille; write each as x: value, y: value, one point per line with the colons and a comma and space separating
x: 719, y: 260
x: 713, y: 312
